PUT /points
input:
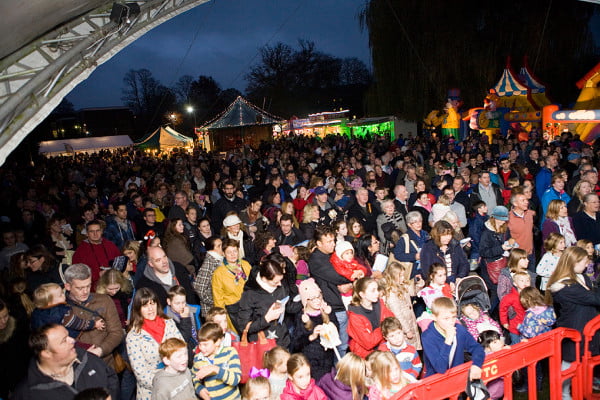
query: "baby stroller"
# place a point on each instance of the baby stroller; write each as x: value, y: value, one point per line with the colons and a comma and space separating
x: 472, y: 290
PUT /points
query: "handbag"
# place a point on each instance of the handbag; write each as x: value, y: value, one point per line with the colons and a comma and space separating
x: 120, y: 363
x: 251, y: 353
x: 494, y: 268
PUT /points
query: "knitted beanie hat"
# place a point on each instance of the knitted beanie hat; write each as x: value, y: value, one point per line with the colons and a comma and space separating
x: 341, y: 246
x: 308, y: 289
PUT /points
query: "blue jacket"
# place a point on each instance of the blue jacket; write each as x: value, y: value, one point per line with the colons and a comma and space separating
x: 548, y: 196
x: 543, y: 181
x: 475, y: 230
x: 437, y: 353
x: 118, y: 236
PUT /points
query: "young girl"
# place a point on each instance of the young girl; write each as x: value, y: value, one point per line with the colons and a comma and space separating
x: 491, y: 341
x: 539, y: 316
x: 348, y: 382
x: 300, y: 385
x: 510, y: 320
x: 386, y: 375
x: 256, y: 389
x: 275, y: 360
x: 591, y: 271
x: 119, y: 288
x: 364, y: 317
x: 517, y: 262
x: 477, y: 321
x: 436, y: 286
x: 310, y: 324
x: 554, y: 245
x: 398, y: 293
x: 439, y: 209
x: 298, y: 255
x: 346, y: 265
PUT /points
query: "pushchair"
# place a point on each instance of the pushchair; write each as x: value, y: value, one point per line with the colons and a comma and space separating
x: 472, y: 290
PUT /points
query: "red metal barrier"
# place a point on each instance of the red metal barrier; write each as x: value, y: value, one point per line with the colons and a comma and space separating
x: 589, y: 362
x: 503, y: 364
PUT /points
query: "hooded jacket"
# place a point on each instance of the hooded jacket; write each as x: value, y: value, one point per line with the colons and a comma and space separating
x: 333, y: 388
x: 312, y: 392
x: 180, y: 277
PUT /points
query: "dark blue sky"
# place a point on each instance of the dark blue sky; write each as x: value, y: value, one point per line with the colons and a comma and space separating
x: 229, y: 34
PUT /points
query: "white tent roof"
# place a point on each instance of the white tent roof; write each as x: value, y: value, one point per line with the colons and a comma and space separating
x: 90, y: 145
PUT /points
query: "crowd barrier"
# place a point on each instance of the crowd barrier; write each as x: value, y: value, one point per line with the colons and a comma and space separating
x: 502, y: 364
x: 589, y: 362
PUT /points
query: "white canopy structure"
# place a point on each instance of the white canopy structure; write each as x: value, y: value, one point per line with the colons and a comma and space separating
x: 87, y: 145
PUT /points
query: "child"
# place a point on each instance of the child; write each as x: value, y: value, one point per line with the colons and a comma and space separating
x: 590, y: 269
x: 51, y: 307
x: 174, y: 382
x: 275, y: 360
x: 300, y: 385
x: 507, y: 191
x: 477, y: 321
x: 554, y: 245
x: 184, y: 316
x: 436, y: 286
x: 346, y: 265
x: 517, y: 262
x: 407, y: 355
x: 216, y: 371
x: 491, y: 341
x: 309, y: 326
x: 387, y: 376
x: 439, y: 209
x: 348, y: 382
x: 512, y: 301
x: 299, y: 256
x: 218, y: 315
x: 476, y: 225
x: 445, y: 341
x: 539, y: 316
x: 398, y: 293
x: 256, y: 389
x: 119, y: 288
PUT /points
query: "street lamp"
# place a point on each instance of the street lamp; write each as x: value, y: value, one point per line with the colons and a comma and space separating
x: 190, y: 109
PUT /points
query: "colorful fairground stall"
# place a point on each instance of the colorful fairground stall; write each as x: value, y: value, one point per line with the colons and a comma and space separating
x: 241, y: 124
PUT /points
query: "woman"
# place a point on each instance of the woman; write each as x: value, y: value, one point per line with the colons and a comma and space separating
x: 191, y: 231
x: 310, y: 220
x: 288, y: 208
x: 273, y: 204
x: 442, y: 249
x: 408, y: 248
x: 420, y: 186
x: 252, y: 218
x: 233, y: 229
x: 389, y: 220
x: 230, y: 277
x: 576, y: 301
x: 355, y: 229
x: 60, y: 239
x: 119, y: 288
x: 177, y: 247
x: 558, y: 221
x: 263, y: 303
x: 202, y: 283
x: 301, y: 201
x: 43, y: 268
x: 132, y: 250
x: 367, y: 247
x: 264, y: 244
x: 148, y: 328
x: 579, y: 191
x: 365, y: 314
x: 205, y: 230
x: 423, y: 205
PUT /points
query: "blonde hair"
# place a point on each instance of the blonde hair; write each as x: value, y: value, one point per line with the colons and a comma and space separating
x: 18, y: 287
x: 112, y: 277
x: 308, y: 211
x: 295, y: 362
x: 443, y: 304
x: 274, y: 357
x: 444, y: 200
x: 393, y: 279
x: 554, y: 209
x: 42, y: 296
x: 381, y: 366
x: 252, y: 384
x: 564, y: 271
x: 583, y: 243
x: 352, y: 372
x: 295, y: 222
x: 520, y: 273
x: 513, y: 259
x: 552, y: 241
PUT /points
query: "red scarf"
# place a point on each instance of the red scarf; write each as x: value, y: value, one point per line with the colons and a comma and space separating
x: 155, y: 328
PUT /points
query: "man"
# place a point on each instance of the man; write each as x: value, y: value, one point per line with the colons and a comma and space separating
x: 287, y: 234
x: 59, y: 370
x: 290, y: 187
x: 460, y: 195
x: 520, y: 224
x: 556, y: 192
x: 364, y: 211
x: 96, y: 252
x: 274, y: 186
x: 401, y: 199
x: 572, y: 164
x: 322, y: 201
x: 161, y: 274
x: 227, y: 203
x: 181, y: 204
x: 534, y: 162
x: 486, y: 191
x: 410, y: 179
x: 119, y: 229
x: 591, y: 176
x: 587, y: 221
x: 87, y: 305
x: 543, y: 178
x: 505, y: 172
x: 149, y: 223
x: 329, y: 281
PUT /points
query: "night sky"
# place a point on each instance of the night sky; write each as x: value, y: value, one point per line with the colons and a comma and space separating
x: 229, y: 35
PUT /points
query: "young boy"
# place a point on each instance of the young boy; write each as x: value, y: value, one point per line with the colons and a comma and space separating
x: 217, y: 371
x: 218, y: 315
x: 445, y: 341
x: 184, y: 316
x: 521, y: 280
x: 476, y: 225
x: 174, y: 382
x: 407, y: 355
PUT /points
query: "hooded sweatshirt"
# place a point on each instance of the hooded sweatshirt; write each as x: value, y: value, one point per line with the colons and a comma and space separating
x: 179, y: 277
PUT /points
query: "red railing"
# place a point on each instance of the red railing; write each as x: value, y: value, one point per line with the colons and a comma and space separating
x: 589, y: 362
x: 502, y: 365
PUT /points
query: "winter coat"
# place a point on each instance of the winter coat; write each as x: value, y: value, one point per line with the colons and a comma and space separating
x: 512, y: 301
x: 203, y: 282
x: 321, y: 360
x: 363, y: 338
x: 180, y: 277
x: 312, y: 392
x: 346, y: 269
x: 490, y: 244
x: 90, y: 372
x: 476, y: 227
x: 537, y: 320
x: 327, y: 279
x: 333, y: 388
x: 142, y: 349
x: 431, y: 253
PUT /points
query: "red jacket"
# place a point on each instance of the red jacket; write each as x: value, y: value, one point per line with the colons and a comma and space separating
x: 512, y: 300
x: 96, y: 256
x: 346, y: 269
x: 363, y: 338
x: 312, y: 392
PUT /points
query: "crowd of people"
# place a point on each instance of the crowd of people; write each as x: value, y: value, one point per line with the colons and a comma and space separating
x: 130, y: 275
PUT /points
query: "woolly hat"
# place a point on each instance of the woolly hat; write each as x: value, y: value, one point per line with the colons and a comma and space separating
x: 341, y: 246
x: 307, y: 290
x: 231, y: 220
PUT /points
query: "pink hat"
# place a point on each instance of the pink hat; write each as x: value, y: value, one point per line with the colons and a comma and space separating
x: 308, y: 289
x: 286, y: 251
